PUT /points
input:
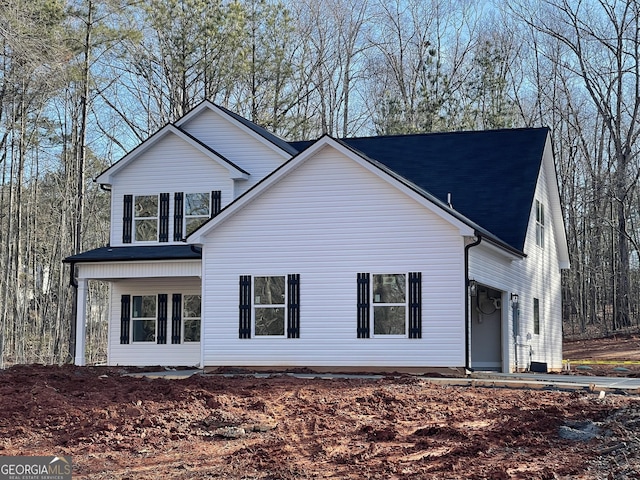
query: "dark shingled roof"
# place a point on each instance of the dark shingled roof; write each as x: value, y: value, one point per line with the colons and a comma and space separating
x: 491, y: 175
x: 151, y: 252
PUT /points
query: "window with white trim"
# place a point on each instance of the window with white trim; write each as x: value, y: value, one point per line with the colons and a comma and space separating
x: 191, y: 305
x: 197, y: 210
x: 145, y: 218
x: 539, y: 224
x: 143, y: 317
x: 269, y: 305
x: 389, y: 304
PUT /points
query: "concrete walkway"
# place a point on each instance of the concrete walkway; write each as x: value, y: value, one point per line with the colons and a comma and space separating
x: 535, y: 381
x: 570, y: 382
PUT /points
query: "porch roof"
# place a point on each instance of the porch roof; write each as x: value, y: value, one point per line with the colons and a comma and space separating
x: 137, y: 253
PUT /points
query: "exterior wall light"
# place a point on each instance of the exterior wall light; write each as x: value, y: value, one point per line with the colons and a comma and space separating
x: 514, y: 299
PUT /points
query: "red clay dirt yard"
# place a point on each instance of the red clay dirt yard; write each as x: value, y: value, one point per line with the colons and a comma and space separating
x: 398, y: 427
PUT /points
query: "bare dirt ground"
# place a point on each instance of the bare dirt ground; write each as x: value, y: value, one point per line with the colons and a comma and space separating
x: 121, y: 427
x: 625, y: 347
x: 612, y: 356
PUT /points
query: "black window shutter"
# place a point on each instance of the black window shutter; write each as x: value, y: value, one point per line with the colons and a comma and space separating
x: 415, y: 305
x: 163, y: 235
x: 293, y: 307
x: 216, y: 202
x: 178, y: 212
x: 363, y: 305
x: 162, y: 318
x: 125, y: 316
x: 176, y: 318
x: 245, y: 307
x: 127, y: 218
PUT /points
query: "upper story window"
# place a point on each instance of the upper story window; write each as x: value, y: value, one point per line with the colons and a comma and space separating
x: 193, y: 209
x: 145, y: 218
x: 197, y: 210
x: 539, y: 224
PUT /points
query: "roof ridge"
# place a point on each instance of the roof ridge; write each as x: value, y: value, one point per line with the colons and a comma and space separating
x: 428, y: 134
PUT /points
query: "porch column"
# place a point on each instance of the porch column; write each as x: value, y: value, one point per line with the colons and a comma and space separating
x: 81, y: 309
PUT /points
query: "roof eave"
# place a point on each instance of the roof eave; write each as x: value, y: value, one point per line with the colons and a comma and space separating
x: 189, y: 254
x: 503, y: 248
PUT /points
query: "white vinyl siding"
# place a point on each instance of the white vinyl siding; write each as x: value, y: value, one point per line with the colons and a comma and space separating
x: 251, y: 154
x: 327, y: 221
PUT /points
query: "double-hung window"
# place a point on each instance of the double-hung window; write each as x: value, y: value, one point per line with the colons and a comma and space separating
x: 389, y: 304
x: 269, y: 306
x: 191, y: 306
x: 143, y: 316
x: 197, y: 210
x: 392, y: 301
x: 191, y: 210
x: 145, y: 218
x: 270, y: 300
x: 539, y: 224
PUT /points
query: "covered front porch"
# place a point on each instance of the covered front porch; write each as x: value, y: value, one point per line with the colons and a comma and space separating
x: 161, y: 276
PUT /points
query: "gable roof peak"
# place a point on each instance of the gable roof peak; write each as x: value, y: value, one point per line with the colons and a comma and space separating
x: 258, y: 131
x: 106, y: 177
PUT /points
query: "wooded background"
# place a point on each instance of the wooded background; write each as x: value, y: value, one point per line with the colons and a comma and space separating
x: 84, y: 81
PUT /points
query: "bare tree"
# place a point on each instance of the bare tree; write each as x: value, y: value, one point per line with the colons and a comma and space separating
x: 599, y: 49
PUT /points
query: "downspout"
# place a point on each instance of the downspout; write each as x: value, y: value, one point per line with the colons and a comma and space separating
x: 72, y: 277
x: 467, y: 327
x: 74, y: 310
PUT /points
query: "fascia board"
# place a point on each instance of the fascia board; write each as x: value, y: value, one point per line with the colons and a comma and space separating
x: 556, y: 208
x: 87, y: 270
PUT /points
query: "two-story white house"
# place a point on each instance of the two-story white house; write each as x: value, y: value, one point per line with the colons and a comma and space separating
x: 232, y: 247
